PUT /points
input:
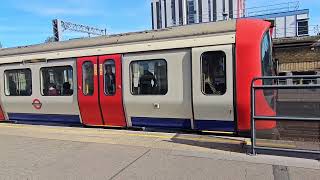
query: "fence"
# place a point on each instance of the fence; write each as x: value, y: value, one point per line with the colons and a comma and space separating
x: 296, y: 123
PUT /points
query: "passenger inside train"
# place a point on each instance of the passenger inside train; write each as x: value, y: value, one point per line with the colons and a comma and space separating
x: 19, y: 82
x: 213, y: 73
x: 56, y: 81
x: 147, y: 81
x: 149, y: 77
x: 12, y: 87
x: 67, y: 91
x: 109, y: 79
x: 52, y: 90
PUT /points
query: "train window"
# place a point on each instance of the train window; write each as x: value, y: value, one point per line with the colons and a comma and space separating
x: 266, y: 58
x: 149, y: 77
x: 57, y: 81
x: 213, y: 73
x: 109, y: 77
x: 18, y: 82
x: 87, y: 78
x: 267, y: 67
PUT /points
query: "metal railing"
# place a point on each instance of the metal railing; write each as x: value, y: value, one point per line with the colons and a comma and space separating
x: 276, y: 118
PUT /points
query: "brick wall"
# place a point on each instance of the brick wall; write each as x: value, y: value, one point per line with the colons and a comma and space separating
x: 297, y: 54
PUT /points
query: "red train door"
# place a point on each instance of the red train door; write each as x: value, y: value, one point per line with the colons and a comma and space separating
x: 110, y: 82
x: 100, y: 91
x: 88, y: 91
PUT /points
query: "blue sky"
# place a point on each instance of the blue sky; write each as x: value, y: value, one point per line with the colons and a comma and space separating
x: 29, y: 22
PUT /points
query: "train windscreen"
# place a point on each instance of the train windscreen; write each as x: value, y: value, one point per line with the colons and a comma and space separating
x: 267, y: 67
x: 266, y: 58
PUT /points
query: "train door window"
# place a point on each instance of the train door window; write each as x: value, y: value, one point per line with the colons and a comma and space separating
x: 109, y: 77
x: 57, y: 81
x: 149, y: 77
x: 88, y: 78
x: 18, y: 82
x: 213, y: 73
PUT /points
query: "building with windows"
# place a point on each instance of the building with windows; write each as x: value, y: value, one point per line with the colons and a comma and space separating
x: 289, y: 23
x: 166, y: 13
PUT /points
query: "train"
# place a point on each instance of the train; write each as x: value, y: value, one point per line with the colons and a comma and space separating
x: 193, y: 77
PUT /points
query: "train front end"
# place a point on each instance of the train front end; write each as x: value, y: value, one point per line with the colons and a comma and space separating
x: 254, y: 59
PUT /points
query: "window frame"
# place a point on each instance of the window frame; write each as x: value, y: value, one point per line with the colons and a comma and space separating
x: 225, y: 73
x: 304, y: 30
x: 115, y: 77
x: 41, y: 79
x: 5, y: 82
x: 146, y: 60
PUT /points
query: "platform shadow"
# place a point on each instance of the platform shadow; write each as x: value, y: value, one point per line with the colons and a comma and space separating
x: 239, y: 147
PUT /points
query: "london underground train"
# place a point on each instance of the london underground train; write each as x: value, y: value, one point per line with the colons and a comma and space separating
x: 194, y: 77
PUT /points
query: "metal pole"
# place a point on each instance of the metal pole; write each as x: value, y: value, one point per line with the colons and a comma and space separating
x: 252, y: 119
x: 57, y: 30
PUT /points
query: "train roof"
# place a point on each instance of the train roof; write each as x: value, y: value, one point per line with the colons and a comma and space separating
x: 221, y: 27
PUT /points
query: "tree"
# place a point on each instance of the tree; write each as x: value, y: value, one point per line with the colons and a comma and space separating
x: 49, y: 39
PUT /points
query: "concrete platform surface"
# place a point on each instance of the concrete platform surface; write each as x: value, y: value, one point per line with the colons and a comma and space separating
x: 47, y: 152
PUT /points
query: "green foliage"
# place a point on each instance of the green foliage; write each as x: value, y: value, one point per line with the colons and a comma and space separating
x: 49, y: 39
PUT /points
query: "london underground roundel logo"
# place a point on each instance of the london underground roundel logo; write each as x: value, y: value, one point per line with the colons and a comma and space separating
x: 36, y: 103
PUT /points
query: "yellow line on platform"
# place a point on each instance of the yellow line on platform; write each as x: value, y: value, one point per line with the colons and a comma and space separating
x: 275, y: 145
x: 218, y: 132
x: 173, y: 136
x: 68, y: 130
x: 270, y: 144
